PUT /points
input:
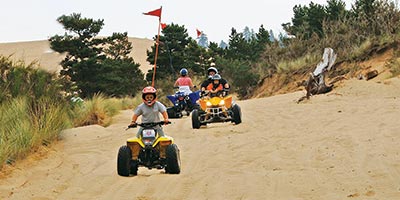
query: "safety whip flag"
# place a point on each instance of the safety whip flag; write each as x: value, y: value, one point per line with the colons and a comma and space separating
x: 156, y: 12
x: 198, y: 32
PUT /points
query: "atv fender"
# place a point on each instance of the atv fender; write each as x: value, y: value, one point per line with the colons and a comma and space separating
x: 194, y: 96
x: 172, y: 98
x: 163, y: 141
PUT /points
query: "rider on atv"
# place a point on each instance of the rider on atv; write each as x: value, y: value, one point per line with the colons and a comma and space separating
x: 149, y: 110
x: 215, y: 105
x: 216, y: 88
x: 211, y: 72
x: 184, y: 82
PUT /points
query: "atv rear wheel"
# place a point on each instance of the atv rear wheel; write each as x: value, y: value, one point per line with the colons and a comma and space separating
x: 173, y: 113
x: 195, y: 119
x: 173, y: 159
x: 124, y: 161
x: 237, y: 114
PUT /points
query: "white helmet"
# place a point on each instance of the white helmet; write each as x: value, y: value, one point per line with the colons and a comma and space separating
x: 212, y: 69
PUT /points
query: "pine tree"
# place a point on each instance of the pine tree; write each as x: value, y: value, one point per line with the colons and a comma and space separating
x: 95, y: 64
x: 177, y: 50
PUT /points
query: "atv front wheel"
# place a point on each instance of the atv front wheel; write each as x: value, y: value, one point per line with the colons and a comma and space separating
x: 195, y: 119
x: 237, y: 114
x: 134, y: 167
x: 173, y: 160
x: 124, y: 161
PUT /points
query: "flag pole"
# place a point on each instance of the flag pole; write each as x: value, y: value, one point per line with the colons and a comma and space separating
x: 156, y: 54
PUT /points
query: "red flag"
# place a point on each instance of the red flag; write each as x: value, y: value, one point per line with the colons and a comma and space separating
x: 198, y: 32
x: 156, y: 12
x: 163, y: 25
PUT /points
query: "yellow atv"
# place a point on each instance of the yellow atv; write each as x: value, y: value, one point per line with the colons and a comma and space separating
x: 216, y: 108
x: 149, y: 150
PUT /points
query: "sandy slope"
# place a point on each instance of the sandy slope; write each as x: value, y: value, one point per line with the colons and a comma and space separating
x: 40, y: 51
x: 344, y: 145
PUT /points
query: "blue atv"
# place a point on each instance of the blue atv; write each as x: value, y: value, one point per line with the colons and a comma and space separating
x: 182, y: 101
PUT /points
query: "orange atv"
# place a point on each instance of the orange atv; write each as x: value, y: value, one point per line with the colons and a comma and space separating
x: 216, y: 107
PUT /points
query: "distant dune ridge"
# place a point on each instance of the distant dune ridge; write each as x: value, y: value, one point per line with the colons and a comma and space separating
x: 48, y: 59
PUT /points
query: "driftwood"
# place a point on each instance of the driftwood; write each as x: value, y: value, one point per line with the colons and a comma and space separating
x: 371, y: 74
x: 336, y: 79
x: 316, y: 81
x: 368, y: 74
x: 313, y: 87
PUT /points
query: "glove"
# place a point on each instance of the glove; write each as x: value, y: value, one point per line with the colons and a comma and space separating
x: 205, y: 92
x: 226, y: 91
x: 132, y: 125
x: 166, y: 122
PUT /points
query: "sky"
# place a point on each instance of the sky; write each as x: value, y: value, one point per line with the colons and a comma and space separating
x: 28, y: 20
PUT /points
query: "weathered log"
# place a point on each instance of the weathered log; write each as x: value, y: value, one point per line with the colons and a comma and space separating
x: 371, y: 74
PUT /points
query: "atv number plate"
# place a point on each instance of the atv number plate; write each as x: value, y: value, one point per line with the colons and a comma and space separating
x: 149, y: 133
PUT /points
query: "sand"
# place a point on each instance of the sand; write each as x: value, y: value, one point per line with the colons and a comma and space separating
x: 40, y: 52
x: 341, y: 145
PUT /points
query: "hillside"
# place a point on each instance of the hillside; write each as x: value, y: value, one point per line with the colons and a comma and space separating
x: 40, y: 51
x: 276, y: 84
x: 291, y: 82
x: 341, y: 145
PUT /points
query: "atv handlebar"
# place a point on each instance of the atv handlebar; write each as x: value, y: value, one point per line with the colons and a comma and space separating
x: 177, y: 87
x: 150, y: 124
x: 222, y: 92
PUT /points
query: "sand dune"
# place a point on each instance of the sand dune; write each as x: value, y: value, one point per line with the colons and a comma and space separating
x: 40, y: 52
x: 342, y: 145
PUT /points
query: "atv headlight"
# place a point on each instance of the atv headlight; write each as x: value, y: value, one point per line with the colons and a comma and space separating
x: 208, y: 103
x: 222, y: 102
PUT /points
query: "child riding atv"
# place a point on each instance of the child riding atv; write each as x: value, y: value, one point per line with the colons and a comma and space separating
x: 216, y: 88
x: 149, y: 110
x: 211, y: 72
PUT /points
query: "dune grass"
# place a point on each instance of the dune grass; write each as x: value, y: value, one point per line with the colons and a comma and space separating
x: 26, y: 126
x: 299, y: 63
x: 33, y: 112
x: 100, y: 109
